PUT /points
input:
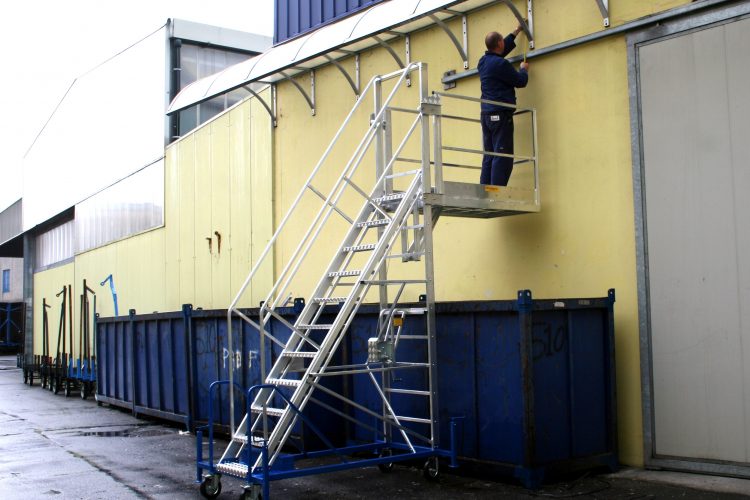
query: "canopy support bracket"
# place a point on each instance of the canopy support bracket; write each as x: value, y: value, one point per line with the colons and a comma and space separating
x: 604, y: 9
x: 352, y: 83
x: 310, y: 98
x: 390, y: 50
x: 271, y: 111
x: 526, y: 26
x: 462, y: 48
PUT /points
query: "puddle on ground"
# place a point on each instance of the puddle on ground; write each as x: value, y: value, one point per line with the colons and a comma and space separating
x: 129, y: 432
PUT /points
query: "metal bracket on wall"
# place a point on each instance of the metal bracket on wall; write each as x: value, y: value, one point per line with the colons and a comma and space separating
x: 463, y: 48
x: 604, y: 9
x: 272, y: 108
x: 354, y: 83
x: 310, y: 98
x: 526, y: 24
x: 390, y: 50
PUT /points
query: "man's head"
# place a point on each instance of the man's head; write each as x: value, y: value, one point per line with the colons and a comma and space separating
x: 494, y: 42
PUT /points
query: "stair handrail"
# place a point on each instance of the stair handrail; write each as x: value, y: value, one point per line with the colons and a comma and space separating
x: 375, y: 122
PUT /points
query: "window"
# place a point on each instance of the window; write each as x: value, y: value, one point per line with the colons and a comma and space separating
x: 6, y: 280
x: 197, y: 62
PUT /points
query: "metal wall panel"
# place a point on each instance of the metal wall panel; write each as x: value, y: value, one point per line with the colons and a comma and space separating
x: 11, y: 222
x: 130, y: 206
x: 55, y: 245
x: 695, y: 111
x: 293, y: 17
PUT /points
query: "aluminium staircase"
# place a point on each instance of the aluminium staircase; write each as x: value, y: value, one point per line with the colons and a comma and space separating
x: 384, y: 255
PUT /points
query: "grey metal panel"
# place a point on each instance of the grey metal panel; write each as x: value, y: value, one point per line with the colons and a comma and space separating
x: 695, y: 176
x: 11, y: 222
x: 55, y: 245
x: 130, y: 206
x: 222, y: 37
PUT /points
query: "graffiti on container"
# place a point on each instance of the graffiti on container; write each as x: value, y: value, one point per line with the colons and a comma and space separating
x: 237, y: 357
x: 546, y: 341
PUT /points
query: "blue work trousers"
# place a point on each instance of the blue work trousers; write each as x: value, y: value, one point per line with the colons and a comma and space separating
x: 497, y: 136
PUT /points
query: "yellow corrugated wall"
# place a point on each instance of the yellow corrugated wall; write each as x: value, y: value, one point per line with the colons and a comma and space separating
x: 582, y: 243
x: 218, y: 179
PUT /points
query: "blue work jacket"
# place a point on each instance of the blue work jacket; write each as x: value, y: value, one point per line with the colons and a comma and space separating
x: 499, y: 78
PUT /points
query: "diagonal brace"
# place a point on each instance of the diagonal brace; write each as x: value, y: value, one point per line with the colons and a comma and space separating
x: 390, y: 50
x: 461, y: 47
x: 354, y: 85
x: 525, y: 26
x: 310, y: 98
x: 263, y: 102
x: 604, y: 9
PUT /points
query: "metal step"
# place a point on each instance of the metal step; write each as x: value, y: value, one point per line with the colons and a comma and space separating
x: 333, y: 274
x: 284, y: 382
x: 274, y: 412
x: 242, y: 439
x: 314, y: 327
x: 329, y: 300
x: 360, y: 248
x: 299, y: 354
x: 374, y: 223
x: 390, y: 197
x: 234, y: 469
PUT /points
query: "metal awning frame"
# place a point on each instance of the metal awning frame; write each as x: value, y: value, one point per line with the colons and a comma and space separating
x: 352, y: 48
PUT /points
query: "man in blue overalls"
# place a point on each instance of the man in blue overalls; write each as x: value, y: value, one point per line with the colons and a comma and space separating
x: 499, y: 79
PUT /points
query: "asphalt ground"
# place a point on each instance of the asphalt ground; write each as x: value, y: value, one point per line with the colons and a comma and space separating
x: 57, y: 447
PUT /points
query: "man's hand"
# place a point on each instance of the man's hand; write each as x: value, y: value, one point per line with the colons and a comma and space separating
x: 525, y: 66
x: 518, y: 29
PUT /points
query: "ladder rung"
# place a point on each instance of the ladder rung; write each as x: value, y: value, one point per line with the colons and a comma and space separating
x: 374, y: 223
x: 284, y: 382
x: 403, y: 174
x: 274, y: 412
x: 407, y: 391
x: 360, y: 248
x: 390, y: 197
x: 394, y: 282
x: 299, y: 354
x: 413, y: 419
x: 314, y: 327
x: 344, y: 273
x: 329, y: 300
x: 412, y: 337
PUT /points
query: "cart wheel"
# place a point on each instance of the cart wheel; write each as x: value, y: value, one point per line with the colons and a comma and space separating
x: 25, y: 377
x: 211, y: 486
x: 31, y: 378
x: 56, y: 385
x: 44, y: 381
x: 430, y: 471
x: 252, y: 492
x: 84, y: 390
x: 386, y: 467
x: 66, y: 388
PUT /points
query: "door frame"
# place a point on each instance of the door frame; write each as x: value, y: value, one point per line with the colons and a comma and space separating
x: 714, y: 17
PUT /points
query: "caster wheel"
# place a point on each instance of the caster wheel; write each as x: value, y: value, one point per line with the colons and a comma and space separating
x: 84, y: 390
x: 44, y: 382
x: 66, y: 388
x: 211, y: 486
x: 430, y: 471
x: 388, y: 466
x: 252, y: 492
x: 56, y: 385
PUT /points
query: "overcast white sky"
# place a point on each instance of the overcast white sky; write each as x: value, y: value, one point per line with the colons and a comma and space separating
x: 48, y: 43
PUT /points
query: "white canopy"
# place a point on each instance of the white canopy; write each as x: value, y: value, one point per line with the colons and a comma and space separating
x: 351, y: 34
